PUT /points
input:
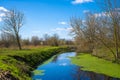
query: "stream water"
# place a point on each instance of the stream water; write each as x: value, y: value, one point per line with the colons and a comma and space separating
x: 61, y: 68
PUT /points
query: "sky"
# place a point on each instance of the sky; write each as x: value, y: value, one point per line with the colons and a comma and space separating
x: 48, y: 16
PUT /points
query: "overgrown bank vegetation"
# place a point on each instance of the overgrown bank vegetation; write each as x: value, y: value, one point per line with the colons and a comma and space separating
x: 17, y: 64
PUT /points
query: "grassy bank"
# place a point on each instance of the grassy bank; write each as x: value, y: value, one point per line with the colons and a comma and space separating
x: 91, y: 63
x: 104, y: 53
x: 20, y: 63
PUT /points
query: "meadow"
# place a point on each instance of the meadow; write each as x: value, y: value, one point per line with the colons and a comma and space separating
x: 20, y: 63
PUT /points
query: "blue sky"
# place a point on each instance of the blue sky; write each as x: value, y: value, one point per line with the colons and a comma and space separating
x: 49, y: 16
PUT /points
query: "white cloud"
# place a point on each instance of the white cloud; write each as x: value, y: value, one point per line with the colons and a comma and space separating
x: 59, y: 29
x: 2, y: 12
x: 62, y: 23
x: 70, y: 28
x: 101, y: 14
x: 62, y: 29
x: 83, y: 21
x: 116, y: 11
x: 81, y: 1
x: 86, y: 11
x: 3, y: 9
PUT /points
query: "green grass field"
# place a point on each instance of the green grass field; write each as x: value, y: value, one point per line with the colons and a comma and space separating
x: 21, y: 62
x: 91, y: 63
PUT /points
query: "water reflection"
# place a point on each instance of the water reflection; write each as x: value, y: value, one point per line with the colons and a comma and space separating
x: 61, y: 68
x: 87, y: 75
x: 55, y: 58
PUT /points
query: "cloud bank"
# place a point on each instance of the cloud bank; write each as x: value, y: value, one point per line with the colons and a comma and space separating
x: 81, y: 1
x: 62, y: 29
x: 2, y: 12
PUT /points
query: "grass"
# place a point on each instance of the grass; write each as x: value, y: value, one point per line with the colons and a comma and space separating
x: 21, y: 63
x: 38, y: 72
x: 15, y: 67
x: 91, y: 63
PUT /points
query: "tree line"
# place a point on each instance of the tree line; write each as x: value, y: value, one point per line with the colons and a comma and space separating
x: 10, y: 33
x: 8, y: 41
x: 98, y: 30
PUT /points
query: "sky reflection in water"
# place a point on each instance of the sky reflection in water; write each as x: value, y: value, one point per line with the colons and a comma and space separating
x: 61, y: 68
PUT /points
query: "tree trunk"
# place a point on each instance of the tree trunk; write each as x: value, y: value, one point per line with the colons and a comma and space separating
x: 18, y: 42
x: 116, y: 39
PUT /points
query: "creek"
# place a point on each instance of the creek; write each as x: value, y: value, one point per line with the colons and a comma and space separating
x: 61, y: 68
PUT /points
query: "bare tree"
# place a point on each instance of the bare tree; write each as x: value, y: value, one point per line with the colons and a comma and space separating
x: 84, y: 31
x: 111, y: 8
x: 77, y: 27
x: 103, y: 28
x: 46, y: 39
x: 13, y: 21
x: 90, y: 31
x: 54, y: 40
x: 78, y: 33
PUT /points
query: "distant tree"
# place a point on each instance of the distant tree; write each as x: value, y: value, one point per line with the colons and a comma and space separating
x: 26, y: 41
x: 51, y: 40
x: 54, y: 40
x: 69, y: 42
x: 62, y: 42
x: 13, y: 21
x: 46, y: 39
x: 35, y: 40
x: 7, y: 40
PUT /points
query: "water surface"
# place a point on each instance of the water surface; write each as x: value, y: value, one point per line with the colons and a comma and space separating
x: 61, y: 68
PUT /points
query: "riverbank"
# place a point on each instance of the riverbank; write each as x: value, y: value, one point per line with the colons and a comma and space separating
x: 17, y: 65
x: 92, y: 63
